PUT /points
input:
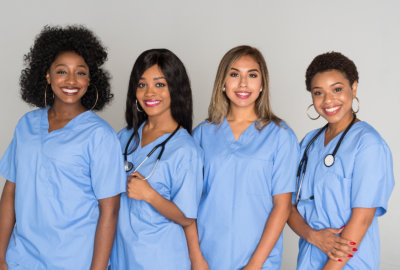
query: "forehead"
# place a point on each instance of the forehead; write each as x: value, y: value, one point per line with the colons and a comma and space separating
x: 153, y: 71
x: 69, y: 58
x: 329, y: 77
x: 246, y: 62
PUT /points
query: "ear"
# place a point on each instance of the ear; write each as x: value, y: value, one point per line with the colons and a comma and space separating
x: 48, y: 77
x: 354, y: 89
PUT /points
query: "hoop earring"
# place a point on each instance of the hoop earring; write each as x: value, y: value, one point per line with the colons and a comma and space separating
x: 45, y: 95
x: 358, y: 105
x: 308, y: 113
x: 137, y: 107
x: 97, y: 97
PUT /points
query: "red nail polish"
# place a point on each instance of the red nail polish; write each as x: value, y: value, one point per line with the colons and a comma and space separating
x: 354, y: 249
x: 353, y: 243
x: 340, y: 260
x: 350, y: 256
x: 342, y: 227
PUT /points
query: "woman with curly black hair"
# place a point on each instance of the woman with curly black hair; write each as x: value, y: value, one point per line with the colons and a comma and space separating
x: 345, y: 176
x: 59, y: 206
x: 163, y: 192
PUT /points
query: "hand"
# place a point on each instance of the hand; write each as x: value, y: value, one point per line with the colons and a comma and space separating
x: 138, y: 188
x: 332, y: 245
x: 200, y: 264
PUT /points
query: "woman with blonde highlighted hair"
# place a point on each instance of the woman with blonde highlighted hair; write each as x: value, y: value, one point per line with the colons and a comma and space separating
x: 250, y: 158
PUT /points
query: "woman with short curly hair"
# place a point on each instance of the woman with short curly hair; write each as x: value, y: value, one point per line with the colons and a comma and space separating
x: 345, y: 176
x: 64, y: 166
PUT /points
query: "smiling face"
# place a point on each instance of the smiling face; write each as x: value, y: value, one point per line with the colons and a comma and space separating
x: 243, y: 82
x: 332, y: 96
x: 69, y: 78
x: 152, y: 93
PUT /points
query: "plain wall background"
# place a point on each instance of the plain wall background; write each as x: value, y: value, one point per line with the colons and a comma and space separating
x: 289, y: 34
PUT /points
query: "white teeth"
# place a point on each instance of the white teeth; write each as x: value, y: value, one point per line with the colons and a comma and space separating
x: 152, y: 102
x: 332, y: 109
x: 70, y: 91
x: 242, y: 94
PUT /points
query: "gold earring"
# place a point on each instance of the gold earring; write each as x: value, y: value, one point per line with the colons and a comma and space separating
x: 308, y: 113
x: 358, y: 105
x: 45, y: 95
x: 97, y: 98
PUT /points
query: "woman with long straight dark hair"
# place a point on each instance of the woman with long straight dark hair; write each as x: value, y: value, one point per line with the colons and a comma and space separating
x: 163, y: 166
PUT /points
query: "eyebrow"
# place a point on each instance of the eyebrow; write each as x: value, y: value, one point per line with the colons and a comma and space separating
x: 333, y: 84
x: 64, y: 65
x: 250, y: 70
x: 154, y: 79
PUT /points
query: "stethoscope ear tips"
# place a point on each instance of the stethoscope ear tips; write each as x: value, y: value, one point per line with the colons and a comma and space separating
x: 128, y: 166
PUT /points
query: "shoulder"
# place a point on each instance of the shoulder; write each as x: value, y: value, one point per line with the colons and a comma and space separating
x: 185, y: 146
x: 282, y: 131
x: 365, y: 135
x: 124, y: 134
x: 31, y: 118
x: 204, y: 127
x: 98, y: 124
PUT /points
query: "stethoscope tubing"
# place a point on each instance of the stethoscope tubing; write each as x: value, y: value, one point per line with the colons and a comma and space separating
x: 304, y: 160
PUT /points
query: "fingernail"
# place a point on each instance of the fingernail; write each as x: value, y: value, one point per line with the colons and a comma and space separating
x: 354, y: 249
x: 342, y: 227
x: 350, y: 256
x: 340, y: 260
x: 353, y: 243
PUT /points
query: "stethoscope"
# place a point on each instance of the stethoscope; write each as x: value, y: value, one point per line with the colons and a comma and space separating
x: 129, y: 165
x: 329, y: 159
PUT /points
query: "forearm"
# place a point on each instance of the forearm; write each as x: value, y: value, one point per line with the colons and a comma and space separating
x: 168, y: 209
x: 192, y: 240
x: 7, y: 217
x: 272, y: 230
x: 105, y: 232
x: 297, y: 223
x: 355, y: 230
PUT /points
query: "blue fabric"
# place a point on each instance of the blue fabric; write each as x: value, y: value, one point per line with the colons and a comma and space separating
x: 145, y: 239
x: 240, y: 179
x: 59, y: 177
x: 362, y: 176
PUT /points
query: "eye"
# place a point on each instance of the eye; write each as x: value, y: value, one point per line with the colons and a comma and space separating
x: 253, y: 75
x: 141, y: 85
x: 338, y: 89
x: 81, y: 73
x: 234, y: 74
x: 316, y: 93
x: 160, y: 84
x: 61, y: 72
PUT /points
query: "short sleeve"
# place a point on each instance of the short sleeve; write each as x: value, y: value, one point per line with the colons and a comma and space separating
x: 187, y: 187
x: 373, y: 180
x: 106, y: 167
x: 285, y: 163
x: 8, y: 166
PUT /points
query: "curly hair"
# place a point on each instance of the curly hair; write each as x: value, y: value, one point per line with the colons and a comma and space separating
x: 52, y: 41
x: 331, y: 61
x: 219, y: 104
x: 178, y: 85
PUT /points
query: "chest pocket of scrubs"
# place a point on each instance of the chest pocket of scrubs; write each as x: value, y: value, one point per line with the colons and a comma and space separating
x: 335, y: 193
x: 258, y: 174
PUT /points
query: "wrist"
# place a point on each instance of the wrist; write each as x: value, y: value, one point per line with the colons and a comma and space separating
x: 150, y: 195
x: 309, y: 236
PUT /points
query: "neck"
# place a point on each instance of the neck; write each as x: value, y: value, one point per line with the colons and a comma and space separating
x: 335, y: 128
x: 167, y: 124
x: 66, y: 111
x: 242, y: 114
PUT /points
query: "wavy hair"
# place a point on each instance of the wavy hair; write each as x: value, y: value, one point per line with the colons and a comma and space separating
x: 52, y: 41
x: 178, y: 84
x: 219, y: 104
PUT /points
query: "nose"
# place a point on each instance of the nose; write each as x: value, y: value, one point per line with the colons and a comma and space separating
x: 149, y: 91
x: 243, y: 81
x: 329, y: 97
x: 71, y: 78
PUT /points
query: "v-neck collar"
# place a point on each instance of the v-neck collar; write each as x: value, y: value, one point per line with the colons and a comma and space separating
x: 244, y: 138
x: 44, y: 125
x: 153, y: 143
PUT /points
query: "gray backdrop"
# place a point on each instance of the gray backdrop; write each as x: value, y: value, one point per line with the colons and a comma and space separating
x: 289, y: 34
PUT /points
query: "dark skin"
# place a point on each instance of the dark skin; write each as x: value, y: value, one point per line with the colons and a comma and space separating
x: 68, y: 77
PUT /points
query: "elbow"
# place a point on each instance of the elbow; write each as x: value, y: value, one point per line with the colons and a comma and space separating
x: 187, y: 222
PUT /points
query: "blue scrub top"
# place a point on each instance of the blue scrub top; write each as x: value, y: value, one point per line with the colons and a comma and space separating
x: 362, y: 176
x: 240, y: 179
x: 59, y: 178
x: 145, y: 239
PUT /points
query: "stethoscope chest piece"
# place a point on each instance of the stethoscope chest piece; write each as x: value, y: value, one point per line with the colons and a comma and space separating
x: 128, y: 166
x: 329, y: 160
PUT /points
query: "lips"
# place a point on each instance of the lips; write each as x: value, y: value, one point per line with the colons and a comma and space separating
x: 332, y: 110
x: 151, y: 102
x: 242, y: 94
